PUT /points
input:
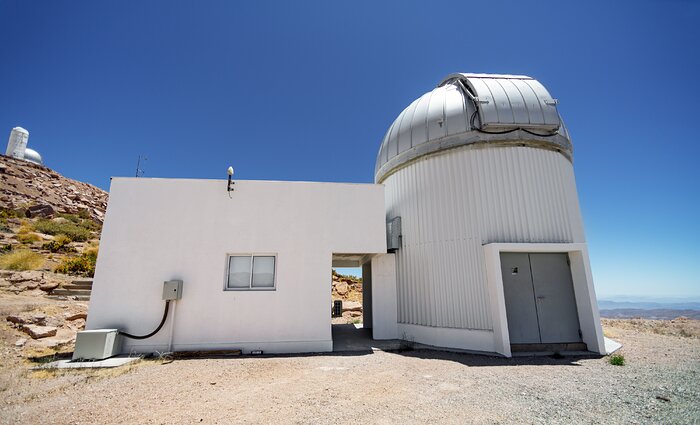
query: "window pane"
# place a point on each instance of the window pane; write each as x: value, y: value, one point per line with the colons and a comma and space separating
x: 263, y: 272
x: 239, y: 272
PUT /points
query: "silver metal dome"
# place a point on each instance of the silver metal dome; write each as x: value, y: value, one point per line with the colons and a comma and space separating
x: 466, y: 109
x: 33, y: 156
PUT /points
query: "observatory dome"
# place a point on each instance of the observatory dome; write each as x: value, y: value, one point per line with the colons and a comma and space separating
x: 482, y: 160
x: 467, y: 109
x: 33, y: 156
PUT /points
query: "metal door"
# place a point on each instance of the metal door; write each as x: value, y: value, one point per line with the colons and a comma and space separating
x: 554, y: 294
x: 539, y: 297
x: 520, y: 298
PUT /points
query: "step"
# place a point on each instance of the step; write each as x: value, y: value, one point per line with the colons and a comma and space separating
x: 71, y: 292
x: 571, y: 346
x: 82, y: 282
x: 74, y: 286
x: 76, y: 298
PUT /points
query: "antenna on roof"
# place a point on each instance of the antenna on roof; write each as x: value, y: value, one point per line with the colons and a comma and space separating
x: 139, y: 170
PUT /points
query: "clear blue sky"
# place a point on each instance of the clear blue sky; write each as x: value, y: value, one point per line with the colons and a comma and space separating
x: 305, y: 91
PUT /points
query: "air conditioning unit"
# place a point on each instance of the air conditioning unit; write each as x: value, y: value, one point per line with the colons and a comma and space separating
x: 97, y: 344
x: 393, y: 234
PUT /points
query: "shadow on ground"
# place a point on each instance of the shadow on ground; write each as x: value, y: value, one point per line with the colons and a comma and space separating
x: 349, y: 340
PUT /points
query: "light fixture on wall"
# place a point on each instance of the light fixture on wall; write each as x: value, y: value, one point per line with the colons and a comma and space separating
x: 229, y: 188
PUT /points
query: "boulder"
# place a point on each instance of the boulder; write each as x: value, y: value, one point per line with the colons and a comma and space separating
x: 48, y: 286
x: 20, y: 342
x: 38, y: 332
x: 39, y: 319
x: 352, y: 306
x: 42, y: 210
x: 25, y: 276
x: 342, y: 288
x: 30, y: 285
x: 76, y: 325
x: 14, y: 318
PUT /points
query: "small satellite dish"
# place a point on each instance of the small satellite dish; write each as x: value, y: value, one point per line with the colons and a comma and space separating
x: 230, y: 171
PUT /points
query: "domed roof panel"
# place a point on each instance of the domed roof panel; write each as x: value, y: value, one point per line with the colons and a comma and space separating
x: 436, y: 115
x: 474, y: 108
x: 419, y: 134
x: 33, y: 156
x: 404, y: 142
x: 455, y: 112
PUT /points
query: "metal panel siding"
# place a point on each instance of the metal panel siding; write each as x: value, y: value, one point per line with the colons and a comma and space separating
x: 404, y: 134
x: 532, y: 103
x: 500, y: 99
x: 453, y: 202
x: 419, y: 129
x: 551, y: 116
x: 487, y: 110
x: 517, y: 103
x: 436, y: 115
x: 455, y: 112
x: 392, y: 141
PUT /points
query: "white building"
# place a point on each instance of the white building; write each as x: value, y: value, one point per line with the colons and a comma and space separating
x: 487, y: 245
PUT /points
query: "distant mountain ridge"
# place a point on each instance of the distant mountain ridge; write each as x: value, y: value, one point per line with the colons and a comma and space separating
x: 648, y: 305
x: 649, y: 308
x: 658, y: 314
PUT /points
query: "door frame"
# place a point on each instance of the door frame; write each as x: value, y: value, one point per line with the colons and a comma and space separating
x: 584, y: 292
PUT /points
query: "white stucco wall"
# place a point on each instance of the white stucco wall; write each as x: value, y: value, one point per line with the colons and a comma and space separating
x: 162, y: 229
x: 384, y: 315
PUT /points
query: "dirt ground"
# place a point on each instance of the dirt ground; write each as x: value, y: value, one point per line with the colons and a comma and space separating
x: 660, y: 383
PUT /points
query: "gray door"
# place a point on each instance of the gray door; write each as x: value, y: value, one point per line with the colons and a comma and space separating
x: 540, y: 301
x: 520, y: 298
x: 554, y: 295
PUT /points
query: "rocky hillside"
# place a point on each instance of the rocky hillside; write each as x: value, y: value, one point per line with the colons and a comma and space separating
x: 49, y: 236
x: 42, y: 192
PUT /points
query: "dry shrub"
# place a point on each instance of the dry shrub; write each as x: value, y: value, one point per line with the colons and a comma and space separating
x: 60, y: 243
x: 22, y: 259
x: 28, y: 237
x: 76, y: 232
x: 84, y: 265
x: 25, y: 228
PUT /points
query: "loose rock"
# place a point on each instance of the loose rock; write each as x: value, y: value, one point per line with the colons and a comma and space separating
x: 77, y: 316
x: 341, y: 288
x: 352, y: 306
x: 40, y: 211
x: 37, y: 332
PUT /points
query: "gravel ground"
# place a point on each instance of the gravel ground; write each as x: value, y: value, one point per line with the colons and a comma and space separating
x: 381, y: 387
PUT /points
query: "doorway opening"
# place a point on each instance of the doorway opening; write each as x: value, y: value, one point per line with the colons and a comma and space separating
x: 351, y: 302
x: 540, y: 302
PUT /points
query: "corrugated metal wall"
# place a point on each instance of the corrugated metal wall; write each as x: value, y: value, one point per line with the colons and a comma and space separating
x: 452, y: 203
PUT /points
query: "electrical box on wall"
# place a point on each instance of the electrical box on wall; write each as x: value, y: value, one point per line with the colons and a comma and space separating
x: 393, y: 234
x: 172, y: 290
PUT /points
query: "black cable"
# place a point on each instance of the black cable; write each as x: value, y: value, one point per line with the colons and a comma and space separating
x: 162, y: 322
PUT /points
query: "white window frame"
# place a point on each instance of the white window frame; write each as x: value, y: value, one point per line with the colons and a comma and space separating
x: 250, y: 282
